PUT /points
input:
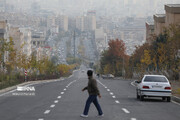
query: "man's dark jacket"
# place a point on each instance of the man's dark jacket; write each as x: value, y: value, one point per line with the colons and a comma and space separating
x: 92, y: 87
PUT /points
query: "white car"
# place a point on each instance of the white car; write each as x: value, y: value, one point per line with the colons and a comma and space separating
x: 154, y: 86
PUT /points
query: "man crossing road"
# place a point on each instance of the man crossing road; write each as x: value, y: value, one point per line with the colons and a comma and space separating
x: 93, y: 93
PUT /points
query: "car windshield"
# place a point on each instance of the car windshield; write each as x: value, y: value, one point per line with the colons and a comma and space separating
x: 155, y: 79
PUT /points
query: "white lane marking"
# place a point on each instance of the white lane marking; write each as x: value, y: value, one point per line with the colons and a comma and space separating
x: 59, y: 97
x: 47, y: 112
x: 117, y: 101
x: 125, y: 110
x: 8, y: 92
x: 133, y: 119
x: 52, y: 106
x: 56, y: 101
x: 113, y: 96
x: 62, y: 92
x: 65, y: 89
x: 102, y: 84
x: 108, y: 89
x: 132, y: 83
x: 40, y: 119
x: 111, y: 93
x: 70, y: 76
x: 175, y: 102
x: 70, y: 83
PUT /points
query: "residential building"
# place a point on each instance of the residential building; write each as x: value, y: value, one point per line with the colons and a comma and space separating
x: 159, y: 23
x: 18, y: 38
x: 27, y: 48
x: 101, y: 39
x: 4, y: 35
x: 64, y: 22
x: 162, y: 21
x: 80, y: 23
x: 172, y: 14
x: 90, y: 21
x: 51, y: 21
x: 38, y: 43
x: 149, y: 31
x: 54, y: 29
x: 38, y: 39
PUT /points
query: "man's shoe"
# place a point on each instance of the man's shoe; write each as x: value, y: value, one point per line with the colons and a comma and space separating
x: 85, y: 116
x: 102, y: 115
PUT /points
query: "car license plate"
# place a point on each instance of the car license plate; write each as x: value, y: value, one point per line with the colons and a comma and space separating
x: 156, y: 86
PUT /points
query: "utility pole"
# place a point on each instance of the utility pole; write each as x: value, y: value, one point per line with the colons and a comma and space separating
x: 123, y: 71
x: 74, y: 37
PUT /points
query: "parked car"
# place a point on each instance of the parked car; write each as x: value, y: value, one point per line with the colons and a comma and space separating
x: 154, y: 86
x: 108, y: 76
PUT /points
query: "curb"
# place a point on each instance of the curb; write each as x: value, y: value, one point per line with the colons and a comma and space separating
x: 176, y: 99
x: 28, y: 83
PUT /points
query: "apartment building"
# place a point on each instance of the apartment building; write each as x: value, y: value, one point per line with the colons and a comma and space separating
x: 149, y: 31
x: 80, y: 23
x: 162, y: 21
x: 27, y: 48
x: 4, y: 35
x: 172, y: 14
x: 90, y: 21
x: 159, y: 23
x: 101, y: 39
x: 64, y: 22
x: 18, y: 38
x: 38, y: 43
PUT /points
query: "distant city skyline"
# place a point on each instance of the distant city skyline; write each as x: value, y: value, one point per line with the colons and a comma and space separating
x: 132, y: 8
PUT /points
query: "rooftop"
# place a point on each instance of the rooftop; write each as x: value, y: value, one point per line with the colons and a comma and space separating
x: 173, y: 5
x: 150, y: 22
x: 173, y: 8
x: 159, y: 18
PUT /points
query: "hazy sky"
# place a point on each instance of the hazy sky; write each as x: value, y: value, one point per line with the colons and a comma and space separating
x: 103, y: 7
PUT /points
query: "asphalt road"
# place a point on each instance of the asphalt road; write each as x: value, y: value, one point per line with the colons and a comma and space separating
x: 64, y: 100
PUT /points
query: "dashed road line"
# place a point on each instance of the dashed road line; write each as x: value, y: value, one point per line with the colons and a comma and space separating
x: 113, y: 96
x: 52, y: 106
x: 117, y: 101
x: 125, y: 110
x: 56, y: 101
x: 65, y: 89
x: 62, y: 93
x: 59, y: 97
x: 47, y: 112
x: 133, y: 119
x: 40, y: 119
x: 108, y: 89
x: 111, y: 93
